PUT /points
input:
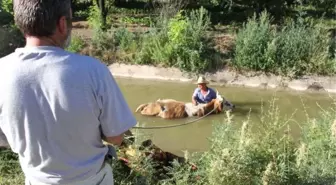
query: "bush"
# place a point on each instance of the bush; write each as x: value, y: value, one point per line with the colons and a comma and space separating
x: 11, y: 38
x: 326, y: 5
x: 77, y: 44
x: 303, y: 50
x: 6, y: 13
x: 181, y: 43
x: 252, y: 42
x: 297, y: 49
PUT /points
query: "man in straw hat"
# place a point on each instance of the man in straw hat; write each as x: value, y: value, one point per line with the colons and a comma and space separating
x: 204, y: 94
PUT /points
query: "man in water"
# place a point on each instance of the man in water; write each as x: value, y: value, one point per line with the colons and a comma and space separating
x: 204, y: 94
x: 56, y: 107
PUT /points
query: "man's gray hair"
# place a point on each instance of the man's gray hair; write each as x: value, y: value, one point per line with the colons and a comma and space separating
x: 40, y: 18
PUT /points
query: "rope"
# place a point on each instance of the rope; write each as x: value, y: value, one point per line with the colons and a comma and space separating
x: 177, y: 125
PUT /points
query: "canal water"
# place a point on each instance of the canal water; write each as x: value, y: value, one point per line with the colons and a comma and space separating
x: 293, y: 106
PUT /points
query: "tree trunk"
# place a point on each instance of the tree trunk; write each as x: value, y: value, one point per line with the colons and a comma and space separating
x: 103, y: 13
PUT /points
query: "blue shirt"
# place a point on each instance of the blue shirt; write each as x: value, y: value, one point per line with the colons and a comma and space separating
x: 211, y: 94
x: 54, y: 106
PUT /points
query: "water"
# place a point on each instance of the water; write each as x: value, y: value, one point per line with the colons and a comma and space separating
x: 248, y: 101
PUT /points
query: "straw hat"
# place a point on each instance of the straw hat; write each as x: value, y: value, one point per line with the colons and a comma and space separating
x: 202, y: 80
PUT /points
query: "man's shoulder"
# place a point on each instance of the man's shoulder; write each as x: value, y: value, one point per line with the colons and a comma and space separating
x: 197, y: 90
x: 4, y: 62
x: 91, y: 63
x: 212, y: 90
x: 6, y: 57
x: 85, y: 59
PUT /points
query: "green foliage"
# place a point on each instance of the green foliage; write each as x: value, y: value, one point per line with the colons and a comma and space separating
x: 10, y: 169
x: 327, y: 5
x: 181, y: 42
x: 136, y: 20
x: 267, y: 155
x: 252, y: 43
x: 11, y: 38
x: 315, y: 156
x: 123, y: 38
x: 7, y: 5
x: 295, y: 50
x: 94, y: 17
x: 82, y: 14
x: 76, y: 45
x: 303, y: 50
x: 6, y: 12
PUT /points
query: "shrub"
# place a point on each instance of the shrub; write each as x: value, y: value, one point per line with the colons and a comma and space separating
x: 327, y: 5
x: 302, y: 49
x: 6, y: 12
x: 94, y: 17
x: 181, y: 43
x: 295, y: 50
x: 252, y: 42
x: 123, y: 38
x: 77, y: 44
x: 11, y: 38
x: 315, y: 156
x: 266, y: 155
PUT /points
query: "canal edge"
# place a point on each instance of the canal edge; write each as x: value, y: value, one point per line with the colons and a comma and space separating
x: 227, y: 78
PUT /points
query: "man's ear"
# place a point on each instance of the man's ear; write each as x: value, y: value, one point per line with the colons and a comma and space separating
x: 63, y: 26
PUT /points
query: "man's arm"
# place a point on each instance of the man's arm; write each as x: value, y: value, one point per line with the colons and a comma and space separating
x: 115, y: 116
x: 114, y: 140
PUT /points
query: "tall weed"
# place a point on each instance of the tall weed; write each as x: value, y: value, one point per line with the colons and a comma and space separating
x: 316, y: 154
x: 294, y: 50
x: 77, y: 44
x: 266, y: 154
x: 303, y: 49
x: 253, y: 43
x: 181, y: 43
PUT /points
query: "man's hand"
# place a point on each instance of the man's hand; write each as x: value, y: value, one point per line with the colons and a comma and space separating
x: 115, y: 140
x: 193, y: 101
x: 120, y: 140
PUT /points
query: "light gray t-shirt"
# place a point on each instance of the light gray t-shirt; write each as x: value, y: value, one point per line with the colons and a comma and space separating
x: 53, y: 105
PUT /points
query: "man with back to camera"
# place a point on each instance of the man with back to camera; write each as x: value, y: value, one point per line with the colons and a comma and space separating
x: 56, y: 107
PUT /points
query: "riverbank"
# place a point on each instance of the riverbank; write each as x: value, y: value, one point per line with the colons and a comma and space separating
x: 227, y: 77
